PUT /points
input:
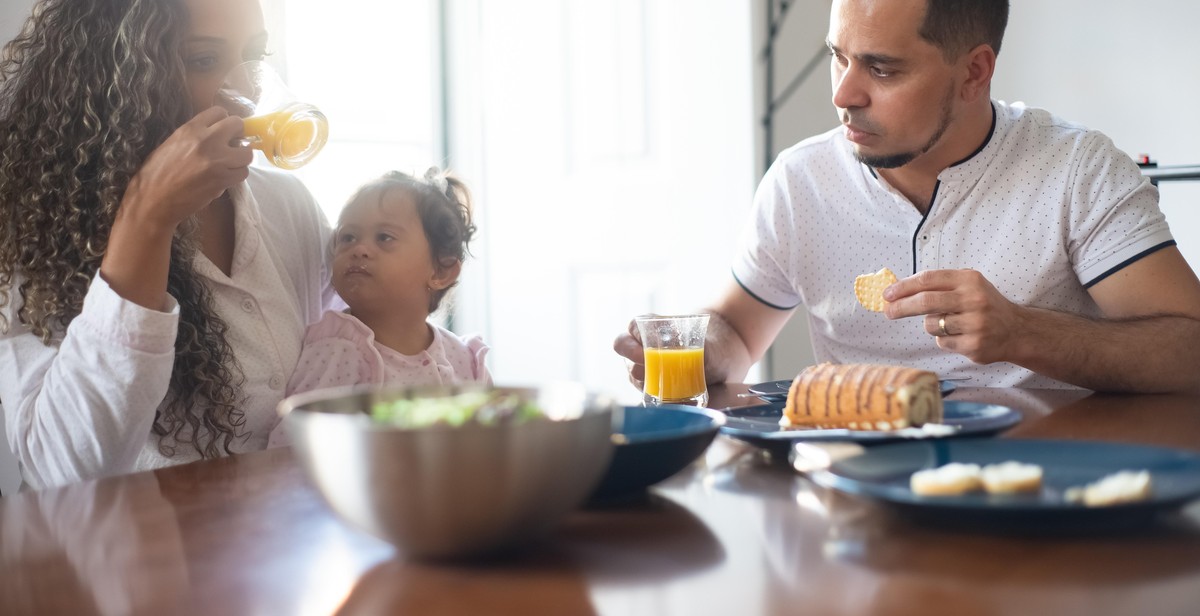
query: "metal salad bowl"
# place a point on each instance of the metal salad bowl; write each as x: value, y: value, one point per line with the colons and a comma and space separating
x: 443, y: 491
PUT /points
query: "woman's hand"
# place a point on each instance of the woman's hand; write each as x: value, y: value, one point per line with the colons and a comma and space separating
x: 191, y: 169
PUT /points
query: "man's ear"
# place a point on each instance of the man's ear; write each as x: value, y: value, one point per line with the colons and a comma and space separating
x: 980, y: 65
x: 446, y: 274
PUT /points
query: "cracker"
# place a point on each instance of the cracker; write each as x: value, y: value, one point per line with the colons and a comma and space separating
x: 1011, y: 477
x: 1116, y: 489
x: 868, y: 288
x: 950, y: 480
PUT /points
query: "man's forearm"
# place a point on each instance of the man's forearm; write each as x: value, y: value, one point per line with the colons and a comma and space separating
x: 1151, y: 354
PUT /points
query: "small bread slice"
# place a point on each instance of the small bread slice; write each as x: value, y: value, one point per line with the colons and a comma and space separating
x: 1115, y: 489
x: 1011, y: 477
x: 949, y: 480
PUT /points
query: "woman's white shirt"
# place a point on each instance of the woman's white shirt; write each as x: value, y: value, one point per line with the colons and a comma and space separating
x: 84, y: 406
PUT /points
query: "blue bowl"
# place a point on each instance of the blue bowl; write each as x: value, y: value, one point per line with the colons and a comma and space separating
x: 653, y: 443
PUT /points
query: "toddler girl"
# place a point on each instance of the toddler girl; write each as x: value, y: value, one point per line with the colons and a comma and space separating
x: 398, y: 248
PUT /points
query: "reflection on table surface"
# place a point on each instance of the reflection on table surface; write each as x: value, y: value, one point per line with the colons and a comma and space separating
x: 114, y: 547
x: 735, y: 533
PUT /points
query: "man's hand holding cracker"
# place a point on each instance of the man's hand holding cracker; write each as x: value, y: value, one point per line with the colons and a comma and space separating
x: 962, y: 310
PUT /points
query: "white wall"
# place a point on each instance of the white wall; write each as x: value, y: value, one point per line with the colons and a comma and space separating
x: 1127, y: 69
x: 1129, y: 72
x: 12, y: 16
x: 608, y: 148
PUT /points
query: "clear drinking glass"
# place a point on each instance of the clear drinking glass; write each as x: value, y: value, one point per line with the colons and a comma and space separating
x: 289, y: 132
x: 674, y: 355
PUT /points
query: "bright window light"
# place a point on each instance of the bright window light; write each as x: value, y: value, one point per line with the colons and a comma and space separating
x: 377, y: 79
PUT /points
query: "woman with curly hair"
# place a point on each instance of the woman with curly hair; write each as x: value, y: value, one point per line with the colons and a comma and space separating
x: 154, y: 288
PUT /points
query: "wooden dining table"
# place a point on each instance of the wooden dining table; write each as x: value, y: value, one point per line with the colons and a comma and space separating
x: 737, y: 532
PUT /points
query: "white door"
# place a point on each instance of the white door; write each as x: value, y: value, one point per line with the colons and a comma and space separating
x: 610, y: 148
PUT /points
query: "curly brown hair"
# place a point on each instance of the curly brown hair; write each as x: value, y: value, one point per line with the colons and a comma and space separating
x: 87, y: 90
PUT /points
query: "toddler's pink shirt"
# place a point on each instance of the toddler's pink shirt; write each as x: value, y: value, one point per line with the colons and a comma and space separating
x: 340, y: 350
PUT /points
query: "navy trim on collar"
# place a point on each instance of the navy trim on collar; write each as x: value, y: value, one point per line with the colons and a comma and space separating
x: 986, y: 140
x: 924, y: 217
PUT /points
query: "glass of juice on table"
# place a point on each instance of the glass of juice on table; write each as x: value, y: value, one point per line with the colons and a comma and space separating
x: 674, y: 355
x: 289, y: 132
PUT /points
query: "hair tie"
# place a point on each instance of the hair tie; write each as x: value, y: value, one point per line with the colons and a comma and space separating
x: 437, y: 179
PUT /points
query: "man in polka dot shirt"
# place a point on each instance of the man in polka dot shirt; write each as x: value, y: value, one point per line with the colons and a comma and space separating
x: 1031, y: 252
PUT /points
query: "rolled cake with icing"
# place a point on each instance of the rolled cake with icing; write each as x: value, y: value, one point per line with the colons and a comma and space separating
x: 862, y: 397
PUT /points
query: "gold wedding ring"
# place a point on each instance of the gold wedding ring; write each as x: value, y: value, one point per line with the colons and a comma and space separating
x: 942, y: 326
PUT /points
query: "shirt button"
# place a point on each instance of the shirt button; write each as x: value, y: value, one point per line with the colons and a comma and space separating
x: 275, y: 382
x: 924, y: 238
x: 248, y: 305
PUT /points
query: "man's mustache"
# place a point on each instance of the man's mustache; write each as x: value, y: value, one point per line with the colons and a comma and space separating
x: 859, y: 122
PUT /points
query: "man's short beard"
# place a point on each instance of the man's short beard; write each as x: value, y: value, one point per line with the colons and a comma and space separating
x: 891, y: 161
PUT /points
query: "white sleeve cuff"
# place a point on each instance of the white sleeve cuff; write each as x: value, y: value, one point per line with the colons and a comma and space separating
x: 111, y: 317
x: 1130, y: 252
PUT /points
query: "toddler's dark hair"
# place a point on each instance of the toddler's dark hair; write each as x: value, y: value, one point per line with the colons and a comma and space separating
x: 444, y: 205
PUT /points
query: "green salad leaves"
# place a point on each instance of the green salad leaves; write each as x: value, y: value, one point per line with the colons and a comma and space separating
x: 479, y: 407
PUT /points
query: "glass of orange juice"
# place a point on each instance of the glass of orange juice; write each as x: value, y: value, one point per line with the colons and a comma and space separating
x: 674, y: 355
x: 289, y: 132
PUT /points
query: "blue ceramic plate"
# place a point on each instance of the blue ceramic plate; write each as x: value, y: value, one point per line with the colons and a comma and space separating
x: 777, y: 391
x: 882, y: 473
x: 653, y: 443
x: 760, y: 425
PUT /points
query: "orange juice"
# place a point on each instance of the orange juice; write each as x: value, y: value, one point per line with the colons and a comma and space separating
x: 674, y: 374
x: 290, y: 136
